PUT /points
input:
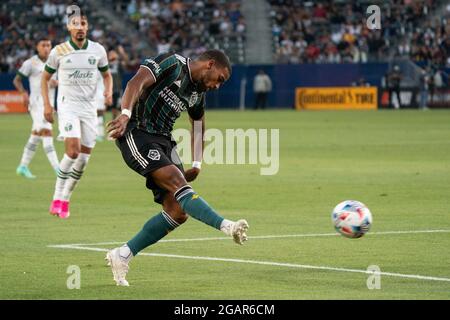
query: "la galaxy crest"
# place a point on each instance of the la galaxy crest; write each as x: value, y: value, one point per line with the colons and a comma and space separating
x: 193, y: 99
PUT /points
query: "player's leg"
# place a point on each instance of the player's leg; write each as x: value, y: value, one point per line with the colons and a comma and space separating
x: 80, y: 151
x: 28, y: 153
x: 171, y: 179
x: 49, y: 148
x: 30, y: 147
x: 170, y: 217
x: 70, y: 130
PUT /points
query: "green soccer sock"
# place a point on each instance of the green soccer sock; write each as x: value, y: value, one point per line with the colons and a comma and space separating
x: 196, y: 207
x: 154, y: 229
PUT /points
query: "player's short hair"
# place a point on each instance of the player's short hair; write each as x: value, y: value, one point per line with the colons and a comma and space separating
x: 218, y: 56
x: 83, y: 14
x: 42, y: 38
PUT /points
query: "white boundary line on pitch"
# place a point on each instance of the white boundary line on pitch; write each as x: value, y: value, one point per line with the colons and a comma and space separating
x: 269, y: 263
x: 304, y: 235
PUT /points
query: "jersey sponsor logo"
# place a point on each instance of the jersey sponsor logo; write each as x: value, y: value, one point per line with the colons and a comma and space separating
x: 195, y: 196
x: 77, y: 74
x: 178, y: 83
x: 172, y: 100
x: 154, y: 154
x: 193, y: 99
x: 92, y: 60
x: 156, y: 67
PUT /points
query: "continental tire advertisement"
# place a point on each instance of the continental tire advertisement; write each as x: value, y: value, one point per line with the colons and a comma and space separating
x: 336, y: 98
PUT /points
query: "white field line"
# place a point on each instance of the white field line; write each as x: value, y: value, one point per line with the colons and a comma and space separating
x: 304, y: 235
x: 269, y: 263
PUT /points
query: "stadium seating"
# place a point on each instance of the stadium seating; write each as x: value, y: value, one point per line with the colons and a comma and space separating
x: 335, y: 31
x: 188, y: 27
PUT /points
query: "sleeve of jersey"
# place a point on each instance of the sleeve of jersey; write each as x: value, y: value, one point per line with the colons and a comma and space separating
x: 25, y: 69
x: 52, y: 62
x: 103, y: 62
x: 159, y: 65
x: 197, y: 111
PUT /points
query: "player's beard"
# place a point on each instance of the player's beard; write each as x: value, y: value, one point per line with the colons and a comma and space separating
x: 80, y: 36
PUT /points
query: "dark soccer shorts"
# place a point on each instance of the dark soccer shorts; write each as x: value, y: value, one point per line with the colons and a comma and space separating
x: 145, y: 152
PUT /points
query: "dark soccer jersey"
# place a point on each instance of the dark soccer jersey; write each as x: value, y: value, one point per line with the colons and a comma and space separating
x: 173, y: 92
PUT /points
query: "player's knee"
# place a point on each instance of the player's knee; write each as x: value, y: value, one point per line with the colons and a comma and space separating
x: 45, y: 133
x: 176, y: 213
x: 181, y: 217
x: 73, y: 153
x: 175, y: 182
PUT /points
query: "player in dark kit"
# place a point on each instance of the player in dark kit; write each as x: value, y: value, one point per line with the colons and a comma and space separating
x: 154, y: 98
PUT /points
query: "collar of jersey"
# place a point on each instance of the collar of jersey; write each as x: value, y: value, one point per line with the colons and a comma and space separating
x: 73, y: 44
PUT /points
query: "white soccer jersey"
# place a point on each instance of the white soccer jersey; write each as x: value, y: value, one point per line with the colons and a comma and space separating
x: 77, y: 74
x: 32, y: 69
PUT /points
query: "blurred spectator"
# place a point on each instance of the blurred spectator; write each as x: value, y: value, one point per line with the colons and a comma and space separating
x: 262, y: 85
x: 394, y: 78
x: 424, y: 88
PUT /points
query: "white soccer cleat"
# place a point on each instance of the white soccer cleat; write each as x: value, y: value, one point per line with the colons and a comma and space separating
x: 239, y: 231
x: 119, y: 267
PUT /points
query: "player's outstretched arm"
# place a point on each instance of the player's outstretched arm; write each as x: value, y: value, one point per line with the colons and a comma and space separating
x: 141, y: 80
x: 48, y: 108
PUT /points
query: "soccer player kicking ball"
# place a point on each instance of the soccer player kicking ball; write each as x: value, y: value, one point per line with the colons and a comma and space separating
x: 153, y: 99
x: 41, y: 128
x: 77, y: 62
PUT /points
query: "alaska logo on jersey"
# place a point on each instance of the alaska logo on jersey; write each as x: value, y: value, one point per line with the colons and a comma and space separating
x: 77, y: 74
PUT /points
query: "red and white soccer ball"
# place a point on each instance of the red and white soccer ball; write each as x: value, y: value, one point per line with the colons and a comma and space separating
x: 352, y: 218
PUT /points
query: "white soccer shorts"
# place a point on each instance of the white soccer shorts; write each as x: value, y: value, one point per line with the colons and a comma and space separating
x: 74, y: 126
x: 36, y: 109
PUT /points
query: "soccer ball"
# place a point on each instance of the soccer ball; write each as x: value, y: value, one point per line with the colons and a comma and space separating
x: 351, y: 218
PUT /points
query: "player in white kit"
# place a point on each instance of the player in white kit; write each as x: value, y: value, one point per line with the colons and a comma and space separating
x: 77, y: 62
x: 41, y: 129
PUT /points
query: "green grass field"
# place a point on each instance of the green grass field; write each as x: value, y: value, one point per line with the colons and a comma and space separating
x: 398, y: 163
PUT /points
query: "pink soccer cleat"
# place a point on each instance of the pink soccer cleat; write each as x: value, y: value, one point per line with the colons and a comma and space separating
x: 55, y: 207
x: 64, y: 212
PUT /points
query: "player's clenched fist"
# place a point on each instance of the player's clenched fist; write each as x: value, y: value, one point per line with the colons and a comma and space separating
x: 116, y: 128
